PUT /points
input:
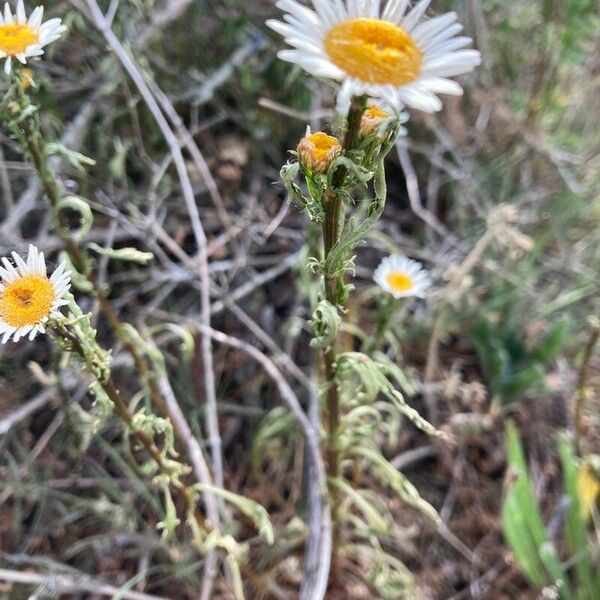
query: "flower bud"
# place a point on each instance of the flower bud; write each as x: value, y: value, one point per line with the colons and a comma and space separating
x: 372, y: 118
x: 317, y: 151
x: 26, y: 78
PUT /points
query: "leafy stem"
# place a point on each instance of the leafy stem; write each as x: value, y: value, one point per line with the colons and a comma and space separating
x: 333, y: 279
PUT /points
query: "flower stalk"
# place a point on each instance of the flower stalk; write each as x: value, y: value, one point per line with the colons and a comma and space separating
x: 386, y: 311
x: 75, y: 334
x: 334, y: 284
x: 332, y: 186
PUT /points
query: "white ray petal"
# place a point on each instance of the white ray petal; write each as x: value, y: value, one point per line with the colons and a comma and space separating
x: 417, y: 97
x: 21, y: 18
x: 35, y: 19
x: 394, y: 10
x: 414, y: 16
x: 21, y: 264
x: 430, y: 28
x: 439, y: 85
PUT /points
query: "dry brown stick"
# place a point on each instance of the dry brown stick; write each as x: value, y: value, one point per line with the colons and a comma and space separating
x: 412, y: 186
x: 318, y: 590
x: 249, y: 286
x: 7, y: 194
x: 172, y: 11
x: 187, y: 140
x: 64, y: 584
x: 25, y: 410
x: 138, y: 79
x: 214, y: 438
x: 470, y: 261
x: 310, y: 434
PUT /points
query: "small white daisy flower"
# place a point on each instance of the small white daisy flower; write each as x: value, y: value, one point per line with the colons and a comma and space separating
x: 28, y: 297
x: 402, y: 277
x: 378, y: 48
x: 23, y: 38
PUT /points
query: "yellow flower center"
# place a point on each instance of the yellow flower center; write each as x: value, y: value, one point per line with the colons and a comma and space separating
x: 374, y: 51
x: 26, y: 301
x: 15, y: 39
x: 374, y: 112
x: 400, y: 282
x: 318, y: 150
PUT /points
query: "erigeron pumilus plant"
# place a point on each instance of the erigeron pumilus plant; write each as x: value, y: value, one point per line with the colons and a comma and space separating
x: 386, y: 56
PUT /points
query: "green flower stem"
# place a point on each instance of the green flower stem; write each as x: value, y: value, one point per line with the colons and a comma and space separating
x: 332, y: 228
x: 386, y: 311
x: 334, y: 202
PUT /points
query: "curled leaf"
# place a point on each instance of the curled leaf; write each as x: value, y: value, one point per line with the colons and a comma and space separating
x: 326, y: 322
x: 82, y: 208
x: 250, y: 508
x: 123, y: 254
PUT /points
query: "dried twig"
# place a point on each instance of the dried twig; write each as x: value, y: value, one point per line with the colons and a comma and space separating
x: 197, y: 228
x: 63, y: 584
x: 33, y: 405
x: 317, y: 590
x: 200, y: 237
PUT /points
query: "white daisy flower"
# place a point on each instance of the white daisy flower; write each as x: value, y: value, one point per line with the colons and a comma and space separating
x: 402, y: 277
x: 28, y: 297
x: 23, y: 38
x: 378, y: 48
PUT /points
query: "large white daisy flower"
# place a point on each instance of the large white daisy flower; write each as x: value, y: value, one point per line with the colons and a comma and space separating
x: 378, y: 48
x: 23, y: 38
x: 402, y: 277
x: 28, y: 297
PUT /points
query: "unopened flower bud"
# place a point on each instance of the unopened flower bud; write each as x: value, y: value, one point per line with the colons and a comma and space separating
x: 317, y: 151
x: 26, y: 78
x: 372, y: 118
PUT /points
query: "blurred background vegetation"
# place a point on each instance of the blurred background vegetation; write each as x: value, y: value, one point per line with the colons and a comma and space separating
x: 508, y: 336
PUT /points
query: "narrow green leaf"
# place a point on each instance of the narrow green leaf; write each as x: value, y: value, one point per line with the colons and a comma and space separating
x: 575, y: 525
x: 250, y: 508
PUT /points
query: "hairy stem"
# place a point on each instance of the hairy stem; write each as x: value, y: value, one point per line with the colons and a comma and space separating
x: 36, y: 148
x: 122, y: 411
x: 332, y: 228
